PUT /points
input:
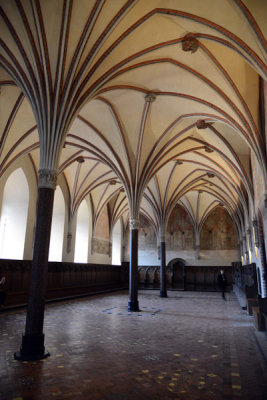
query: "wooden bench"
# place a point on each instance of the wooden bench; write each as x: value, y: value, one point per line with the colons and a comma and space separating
x: 19, y: 298
x: 259, y: 312
x: 251, y: 302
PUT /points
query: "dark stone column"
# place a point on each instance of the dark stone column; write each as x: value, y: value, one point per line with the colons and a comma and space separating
x: 32, y: 347
x: 163, y: 291
x: 133, y: 304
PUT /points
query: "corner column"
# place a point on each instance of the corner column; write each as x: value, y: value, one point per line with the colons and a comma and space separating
x: 133, y: 304
x: 163, y: 291
x: 32, y: 347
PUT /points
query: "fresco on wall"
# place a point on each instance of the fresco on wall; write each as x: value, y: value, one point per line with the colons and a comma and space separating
x: 218, y: 232
x: 102, y: 225
x: 100, y: 242
x: 101, y: 246
x: 146, y: 238
x: 180, y: 233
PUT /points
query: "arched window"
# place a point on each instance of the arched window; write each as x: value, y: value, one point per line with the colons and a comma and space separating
x: 116, y: 244
x: 82, y: 234
x: 14, y: 216
x: 57, y: 229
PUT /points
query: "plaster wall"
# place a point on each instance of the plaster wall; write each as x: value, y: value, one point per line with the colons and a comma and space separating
x: 99, y: 259
x: 148, y: 257
x: 218, y: 242
x: 207, y: 257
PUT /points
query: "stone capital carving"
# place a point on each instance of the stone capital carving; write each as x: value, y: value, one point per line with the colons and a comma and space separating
x: 190, y: 43
x: 47, y: 179
x: 150, y: 97
x: 134, y: 223
x: 208, y: 149
x: 80, y: 159
x: 201, y: 124
x: 210, y: 175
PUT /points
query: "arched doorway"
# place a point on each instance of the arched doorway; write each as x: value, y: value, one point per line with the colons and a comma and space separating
x: 177, y: 265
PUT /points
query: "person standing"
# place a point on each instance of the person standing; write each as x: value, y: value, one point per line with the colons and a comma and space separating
x: 222, y: 283
x: 2, y: 292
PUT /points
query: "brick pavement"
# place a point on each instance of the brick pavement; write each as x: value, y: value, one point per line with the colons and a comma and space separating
x: 192, y: 345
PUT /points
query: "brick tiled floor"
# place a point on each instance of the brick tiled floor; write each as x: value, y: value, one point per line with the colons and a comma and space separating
x: 191, y: 345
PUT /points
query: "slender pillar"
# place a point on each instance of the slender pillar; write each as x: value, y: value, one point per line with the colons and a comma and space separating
x: 249, y: 239
x: 69, y: 242
x: 32, y: 347
x: 197, y: 247
x: 245, y: 252
x: 256, y: 232
x: 133, y: 304
x: 197, y: 252
x: 163, y: 291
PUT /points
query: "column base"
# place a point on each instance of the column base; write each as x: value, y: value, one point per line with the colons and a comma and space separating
x: 32, y: 348
x: 133, y: 305
x: 163, y: 293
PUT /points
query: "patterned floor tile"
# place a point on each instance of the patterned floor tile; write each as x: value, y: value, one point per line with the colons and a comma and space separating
x: 191, y: 345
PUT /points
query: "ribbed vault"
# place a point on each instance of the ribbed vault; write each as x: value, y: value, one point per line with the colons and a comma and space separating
x: 140, y: 97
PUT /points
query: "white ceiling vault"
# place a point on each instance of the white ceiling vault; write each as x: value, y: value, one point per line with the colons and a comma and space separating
x: 141, y: 104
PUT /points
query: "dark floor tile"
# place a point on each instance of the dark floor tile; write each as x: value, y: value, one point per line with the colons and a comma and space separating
x: 189, y: 346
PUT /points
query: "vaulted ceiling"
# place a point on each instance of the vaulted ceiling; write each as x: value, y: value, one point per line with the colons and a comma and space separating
x: 141, y: 104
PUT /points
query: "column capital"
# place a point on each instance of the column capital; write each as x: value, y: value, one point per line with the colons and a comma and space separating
x: 134, y: 223
x: 202, y: 124
x: 47, y: 178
